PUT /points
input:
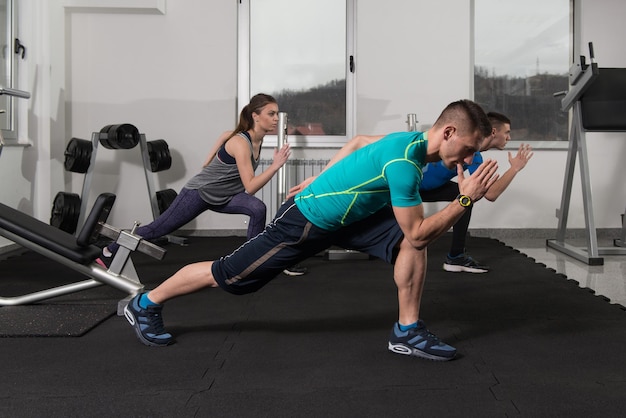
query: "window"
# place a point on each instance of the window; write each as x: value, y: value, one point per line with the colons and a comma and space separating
x: 301, y: 53
x: 7, y: 68
x: 521, y: 58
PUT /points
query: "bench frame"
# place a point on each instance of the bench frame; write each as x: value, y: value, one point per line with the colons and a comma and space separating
x: 121, y: 274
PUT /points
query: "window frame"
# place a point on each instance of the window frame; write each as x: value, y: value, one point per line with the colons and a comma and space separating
x: 243, y: 81
x: 9, y: 134
x: 574, y: 24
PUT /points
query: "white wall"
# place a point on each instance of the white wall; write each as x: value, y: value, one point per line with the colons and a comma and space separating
x: 174, y: 75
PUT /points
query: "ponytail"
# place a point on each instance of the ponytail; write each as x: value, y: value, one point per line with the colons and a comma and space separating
x: 246, y: 122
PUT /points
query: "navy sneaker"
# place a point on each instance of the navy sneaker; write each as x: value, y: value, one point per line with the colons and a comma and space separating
x: 296, y: 270
x: 419, y: 342
x: 464, y: 263
x: 148, y: 323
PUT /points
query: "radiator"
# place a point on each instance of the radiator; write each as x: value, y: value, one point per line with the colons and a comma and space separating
x: 295, y: 172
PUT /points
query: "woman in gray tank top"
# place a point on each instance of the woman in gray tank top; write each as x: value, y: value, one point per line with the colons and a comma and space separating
x: 227, y: 182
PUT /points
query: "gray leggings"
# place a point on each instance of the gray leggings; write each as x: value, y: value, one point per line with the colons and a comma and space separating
x: 188, y: 205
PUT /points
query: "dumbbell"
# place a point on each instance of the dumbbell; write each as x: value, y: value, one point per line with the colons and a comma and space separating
x: 121, y: 136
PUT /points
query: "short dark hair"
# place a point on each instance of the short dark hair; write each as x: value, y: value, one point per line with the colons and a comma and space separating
x: 498, y: 119
x: 468, y: 114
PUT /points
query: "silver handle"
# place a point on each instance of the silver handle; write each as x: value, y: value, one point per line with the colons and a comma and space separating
x: 15, y: 93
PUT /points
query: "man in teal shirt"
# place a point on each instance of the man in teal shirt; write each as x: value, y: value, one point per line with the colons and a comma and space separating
x: 368, y: 201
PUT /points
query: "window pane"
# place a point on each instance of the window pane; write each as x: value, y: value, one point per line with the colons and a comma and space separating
x: 521, y: 54
x: 298, y: 55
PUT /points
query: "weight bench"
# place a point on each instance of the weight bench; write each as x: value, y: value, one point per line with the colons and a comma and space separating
x: 78, y: 253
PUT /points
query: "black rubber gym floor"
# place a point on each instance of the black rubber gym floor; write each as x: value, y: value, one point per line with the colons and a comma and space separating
x: 531, y: 343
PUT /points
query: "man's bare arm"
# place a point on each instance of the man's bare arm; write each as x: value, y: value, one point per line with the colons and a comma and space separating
x: 354, y: 144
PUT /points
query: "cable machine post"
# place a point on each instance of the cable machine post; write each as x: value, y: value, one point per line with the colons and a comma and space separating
x: 411, y: 121
x: 281, y: 192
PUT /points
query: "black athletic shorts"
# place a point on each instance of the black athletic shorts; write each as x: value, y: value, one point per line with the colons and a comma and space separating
x: 290, y: 238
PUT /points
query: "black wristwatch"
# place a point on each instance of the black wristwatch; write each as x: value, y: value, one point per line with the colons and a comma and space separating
x: 464, y: 201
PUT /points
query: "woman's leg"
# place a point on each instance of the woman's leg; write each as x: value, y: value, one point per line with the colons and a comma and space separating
x: 185, y: 208
x: 245, y: 204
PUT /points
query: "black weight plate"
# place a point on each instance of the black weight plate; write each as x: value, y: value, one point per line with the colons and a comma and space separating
x: 165, y: 199
x: 123, y: 136
x: 78, y: 155
x: 104, y: 137
x: 159, y: 153
x: 65, y: 212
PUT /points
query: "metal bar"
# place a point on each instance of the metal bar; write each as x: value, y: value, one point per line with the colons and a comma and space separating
x: 14, y: 93
x: 592, y: 238
x: 281, y: 191
x: 621, y: 242
x: 127, y: 282
x: 411, y: 121
x: 575, y: 252
x: 132, y: 242
x: 48, y: 293
x: 563, y: 212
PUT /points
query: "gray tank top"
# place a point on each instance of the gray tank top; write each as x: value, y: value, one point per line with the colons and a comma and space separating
x: 219, y: 181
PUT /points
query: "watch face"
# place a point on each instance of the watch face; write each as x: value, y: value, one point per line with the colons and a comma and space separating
x: 465, y: 201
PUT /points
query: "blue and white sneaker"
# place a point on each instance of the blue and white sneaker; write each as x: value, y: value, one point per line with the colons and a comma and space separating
x: 148, y: 323
x: 419, y: 342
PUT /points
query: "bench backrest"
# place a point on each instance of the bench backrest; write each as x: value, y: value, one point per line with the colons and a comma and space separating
x: 99, y: 213
x: 32, y: 233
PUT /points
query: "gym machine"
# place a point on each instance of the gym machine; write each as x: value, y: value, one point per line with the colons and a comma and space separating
x: 597, y: 97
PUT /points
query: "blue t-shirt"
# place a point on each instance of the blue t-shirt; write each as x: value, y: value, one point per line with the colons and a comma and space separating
x: 386, y: 171
x: 436, y: 174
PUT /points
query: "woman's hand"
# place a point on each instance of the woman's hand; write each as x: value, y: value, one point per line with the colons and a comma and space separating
x: 281, y: 156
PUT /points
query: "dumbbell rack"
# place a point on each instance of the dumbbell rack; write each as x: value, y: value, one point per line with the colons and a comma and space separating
x: 152, y: 192
x: 148, y: 165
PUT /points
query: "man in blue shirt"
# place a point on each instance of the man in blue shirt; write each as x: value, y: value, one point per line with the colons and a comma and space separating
x: 437, y: 186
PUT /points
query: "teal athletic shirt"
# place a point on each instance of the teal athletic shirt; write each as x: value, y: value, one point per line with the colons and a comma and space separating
x: 386, y: 171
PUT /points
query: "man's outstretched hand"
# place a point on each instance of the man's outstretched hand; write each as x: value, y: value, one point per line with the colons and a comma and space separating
x: 298, y: 188
x: 476, y: 185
